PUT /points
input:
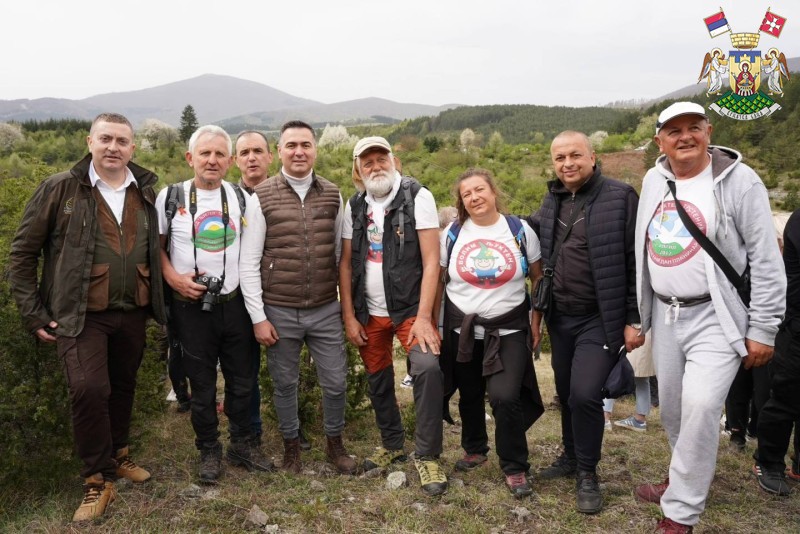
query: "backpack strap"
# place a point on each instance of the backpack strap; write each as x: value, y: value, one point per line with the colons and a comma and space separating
x: 174, y: 201
x: 242, y: 206
x: 518, y: 231
x: 452, y: 235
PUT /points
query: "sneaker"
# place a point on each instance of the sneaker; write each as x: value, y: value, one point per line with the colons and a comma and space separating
x: 564, y: 466
x: 589, y: 500
x: 470, y: 462
x: 126, y: 468
x: 248, y: 455
x: 210, y: 463
x: 668, y: 526
x: 772, y: 481
x: 384, y: 458
x: 651, y: 492
x: 738, y: 441
x: 407, y: 382
x: 518, y: 485
x: 184, y: 406
x: 431, y: 477
x: 337, y: 455
x: 97, y: 495
x: 631, y: 423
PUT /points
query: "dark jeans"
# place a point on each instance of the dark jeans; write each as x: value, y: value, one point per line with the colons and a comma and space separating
x: 177, y: 374
x: 581, y: 364
x: 782, y: 408
x: 225, y: 334
x: 504, y: 390
x: 749, y: 391
x: 100, y: 366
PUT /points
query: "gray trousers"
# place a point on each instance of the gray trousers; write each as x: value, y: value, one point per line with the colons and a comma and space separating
x: 695, y: 366
x: 320, y: 329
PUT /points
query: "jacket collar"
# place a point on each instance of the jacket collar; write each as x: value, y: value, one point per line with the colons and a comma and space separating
x: 143, y: 177
x: 557, y: 187
x: 723, y: 159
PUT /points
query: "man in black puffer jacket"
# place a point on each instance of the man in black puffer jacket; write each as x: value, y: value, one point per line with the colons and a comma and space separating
x: 593, y: 314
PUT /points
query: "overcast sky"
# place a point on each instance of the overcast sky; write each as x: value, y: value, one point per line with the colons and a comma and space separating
x: 566, y: 52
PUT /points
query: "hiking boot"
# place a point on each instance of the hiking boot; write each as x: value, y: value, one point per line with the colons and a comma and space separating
x: 97, y: 495
x: 304, y: 443
x: 588, y: 498
x: 126, y: 468
x: 210, y: 463
x: 431, y: 477
x: 564, y: 466
x: 772, y: 481
x: 651, y: 492
x: 337, y: 454
x: 668, y: 526
x: 291, y: 456
x: 383, y: 458
x: 471, y: 461
x: 249, y: 455
x: 518, y: 485
x: 631, y: 423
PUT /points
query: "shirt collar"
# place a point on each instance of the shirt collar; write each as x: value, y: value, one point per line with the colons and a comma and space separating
x: 94, y: 177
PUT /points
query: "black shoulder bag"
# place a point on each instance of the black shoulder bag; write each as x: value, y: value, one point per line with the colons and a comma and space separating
x: 740, y: 281
x: 543, y: 294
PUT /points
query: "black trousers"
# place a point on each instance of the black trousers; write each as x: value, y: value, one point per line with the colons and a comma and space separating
x: 749, y: 391
x: 581, y: 363
x: 504, y: 390
x: 782, y: 408
x: 177, y: 375
x: 225, y: 334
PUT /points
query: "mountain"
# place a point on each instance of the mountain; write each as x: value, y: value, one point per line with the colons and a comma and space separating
x: 698, y: 88
x: 363, y: 110
x: 231, y: 102
x: 164, y: 102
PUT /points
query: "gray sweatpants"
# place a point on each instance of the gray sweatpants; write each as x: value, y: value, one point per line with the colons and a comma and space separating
x: 695, y: 366
x: 321, y: 329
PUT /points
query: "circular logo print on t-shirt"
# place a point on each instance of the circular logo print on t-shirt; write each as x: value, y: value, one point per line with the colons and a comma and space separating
x: 210, y: 234
x: 486, y: 264
x: 669, y: 242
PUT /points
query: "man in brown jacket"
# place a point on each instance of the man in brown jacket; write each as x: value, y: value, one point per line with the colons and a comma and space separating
x: 96, y: 227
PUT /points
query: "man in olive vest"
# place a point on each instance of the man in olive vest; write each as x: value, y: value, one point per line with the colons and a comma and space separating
x: 97, y: 229
x: 289, y: 279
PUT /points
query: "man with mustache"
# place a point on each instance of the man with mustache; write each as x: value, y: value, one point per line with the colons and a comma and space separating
x: 392, y: 294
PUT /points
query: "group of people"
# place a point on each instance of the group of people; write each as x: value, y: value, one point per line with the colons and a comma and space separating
x: 284, y: 261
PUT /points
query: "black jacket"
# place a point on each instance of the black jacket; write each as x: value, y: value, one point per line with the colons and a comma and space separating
x: 610, y: 212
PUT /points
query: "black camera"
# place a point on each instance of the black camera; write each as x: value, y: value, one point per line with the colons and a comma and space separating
x: 213, y: 289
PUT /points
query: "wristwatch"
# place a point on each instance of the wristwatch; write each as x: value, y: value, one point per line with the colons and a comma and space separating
x: 637, y: 326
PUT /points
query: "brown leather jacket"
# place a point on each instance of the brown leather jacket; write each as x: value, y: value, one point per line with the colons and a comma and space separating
x: 59, y: 223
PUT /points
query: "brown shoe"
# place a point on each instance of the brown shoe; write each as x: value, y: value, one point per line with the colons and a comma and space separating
x: 337, y: 454
x: 651, y: 492
x: 126, y: 468
x: 668, y: 526
x: 291, y: 456
x: 97, y: 495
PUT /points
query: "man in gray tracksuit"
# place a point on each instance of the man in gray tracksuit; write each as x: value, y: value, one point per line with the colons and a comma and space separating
x: 701, y: 329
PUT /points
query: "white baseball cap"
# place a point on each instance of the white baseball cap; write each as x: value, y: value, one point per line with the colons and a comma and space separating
x: 676, y: 110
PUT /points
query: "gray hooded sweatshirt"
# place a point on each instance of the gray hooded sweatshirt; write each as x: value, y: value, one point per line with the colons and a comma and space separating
x: 744, y: 233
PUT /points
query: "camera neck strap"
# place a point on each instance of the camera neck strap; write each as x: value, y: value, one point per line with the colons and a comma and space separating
x: 225, y: 218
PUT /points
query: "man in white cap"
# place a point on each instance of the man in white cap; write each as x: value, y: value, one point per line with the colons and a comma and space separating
x: 702, y: 327
x: 387, y: 277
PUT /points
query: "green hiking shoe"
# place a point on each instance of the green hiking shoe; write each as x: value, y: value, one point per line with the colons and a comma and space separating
x: 384, y: 458
x: 431, y: 476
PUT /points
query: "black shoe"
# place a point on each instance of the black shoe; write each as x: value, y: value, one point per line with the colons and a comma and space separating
x: 210, y: 463
x: 738, y: 441
x: 589, y: 500
x: 772, y: 481
x: 304, y: 444
x: 564, y: 466
x: 248, y: 455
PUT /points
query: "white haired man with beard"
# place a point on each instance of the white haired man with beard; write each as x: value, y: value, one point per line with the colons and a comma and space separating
x: 387, y: 282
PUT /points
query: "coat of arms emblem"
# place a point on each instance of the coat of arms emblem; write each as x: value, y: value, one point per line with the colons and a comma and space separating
x: 745, y: 71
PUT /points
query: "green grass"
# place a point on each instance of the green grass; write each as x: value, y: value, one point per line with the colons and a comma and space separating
x: 363, y: 505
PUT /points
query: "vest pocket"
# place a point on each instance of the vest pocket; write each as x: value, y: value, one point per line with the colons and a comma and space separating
x: 142, y: 296
x: 99, y: 282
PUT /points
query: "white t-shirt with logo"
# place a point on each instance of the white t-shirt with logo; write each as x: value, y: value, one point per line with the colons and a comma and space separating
x: 485, y: 269
x: 211, y: 237
x: 426, y: 218
x: 675, y: 259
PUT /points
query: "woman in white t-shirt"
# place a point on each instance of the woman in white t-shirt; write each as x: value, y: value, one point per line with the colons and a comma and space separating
x: 488, y: 340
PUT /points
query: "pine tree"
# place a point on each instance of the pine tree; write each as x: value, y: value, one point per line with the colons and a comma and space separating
x: 188, y: 123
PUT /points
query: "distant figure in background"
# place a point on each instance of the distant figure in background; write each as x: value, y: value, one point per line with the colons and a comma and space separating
x: 96, y: 227
x: 642, y: 361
